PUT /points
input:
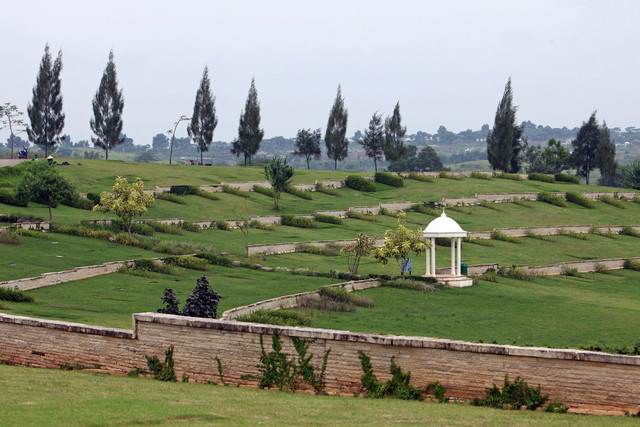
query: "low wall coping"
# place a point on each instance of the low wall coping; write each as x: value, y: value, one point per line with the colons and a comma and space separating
x: 67, y: 326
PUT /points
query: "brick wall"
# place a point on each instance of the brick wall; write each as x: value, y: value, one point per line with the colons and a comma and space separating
x: 588, y: 382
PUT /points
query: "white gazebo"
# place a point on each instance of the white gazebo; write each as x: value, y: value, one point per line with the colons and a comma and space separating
x: 446, y: 227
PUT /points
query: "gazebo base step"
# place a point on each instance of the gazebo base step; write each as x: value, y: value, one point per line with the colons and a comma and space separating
x: 454, y: 281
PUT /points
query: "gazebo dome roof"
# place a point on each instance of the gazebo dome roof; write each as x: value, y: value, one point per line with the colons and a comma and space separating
x: 444, y: 227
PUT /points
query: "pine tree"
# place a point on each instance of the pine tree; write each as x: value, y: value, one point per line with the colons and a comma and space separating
x: 504, y: 140
x: 45, y: 110
x: 585, y: 145
x: 108, y: 103
x: 606, y: 155
x: 203, y: 120
x: 308, y: 144
x: 394, y: 133
x: 334, y: 137
x: 249, y: 132
x: 373, y: 140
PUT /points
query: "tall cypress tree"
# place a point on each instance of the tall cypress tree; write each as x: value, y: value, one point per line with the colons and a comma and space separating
x: 334, y: 137
x: 249, y: 132
x: 504, y: 142
x: 203, y: 120
x: 394, y: 133
x: 585, y: 145
x: 606, y: 155
x: 373, y: 140
x: 108, y: 103
x: 45, y: 110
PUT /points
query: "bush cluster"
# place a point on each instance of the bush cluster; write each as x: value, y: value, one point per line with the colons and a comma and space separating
x: 489, y: 205
x: 499, y: 235
x: 328, y: 190
x: 542, y: 177
x: 596, y: 230
x: 162, y: 227
x: 154, y: 267
x: 572, y: 234
x: 389, y: 179
x: 190, y: 226
x: 356, y: 182
x: 515, y: 272
x: 14, y: 295
x: 628, y: 230
x: 9, y: 237
x: 513, y: 396
x: 418, y: 177
x: 409, y: 284
x: 9, y: 197
x: 552, y: 199
x: 303, y: 194
x: 235, y: 191
x: 297, y: 221
x: 399, y: 386
x: 215, y: 259
x: 632, y: 264
x: 479, y: 175
x: 564, y: 177
x: 190, y: 262
x: 329, y: 219
x: 169, y: 197
x: 613, y: 201
x: 329, y: 250
x: 477, y: 241
x: 448, y: 175
x: 533, y: 235
x: 511, y: 176
x: 423, y: 209
x: 196, y: 191
x: 521, y: 201
x: 278, y: 317
x: 80, y: 203
x: 579, y: 199
x: 257, y: 224
x: 358, y: 215
x: 264, y: 190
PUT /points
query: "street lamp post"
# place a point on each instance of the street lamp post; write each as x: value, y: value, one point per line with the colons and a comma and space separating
x: 173, y: 134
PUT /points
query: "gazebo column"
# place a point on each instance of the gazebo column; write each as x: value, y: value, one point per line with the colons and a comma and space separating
x: 433, y: 257
x: 459, y: 256
x: 453, y: 255
x: 428, y: 256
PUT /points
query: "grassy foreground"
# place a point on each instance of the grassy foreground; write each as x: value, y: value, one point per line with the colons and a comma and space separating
x: 51, y: 397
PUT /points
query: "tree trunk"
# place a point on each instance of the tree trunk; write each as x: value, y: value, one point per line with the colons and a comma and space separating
x: 275, y: 200
x: 201, y: 160
x: 307, y: 159
x: 375, y: 164
x: 335, y: 167
x: 106, y: 153
x: 50, y: 215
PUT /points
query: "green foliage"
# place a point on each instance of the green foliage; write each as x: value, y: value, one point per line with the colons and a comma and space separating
x: 298, y: 221
x: 190, y: 226
x: 373, y: 140
x: 563, y: 177
x: 257, y: 224
x: 154, y: 266
x: 556, y: 408
x: 162, y: 227
x: 613, y: 201
x: 203, y: 301
x: 630, y: 175
x: 389, y: 179
x: 541, y: 177
x: 605, y: 157
x: 489, y: 205
x: 448, y: 175
x: 510, y: 176
x: 596, y: 230
x: 264, y: 190
x: 601, y: 346
x: 170, y: 197
x: 15, y: 295
x: 340, y: 295
x: 602, y: 268
x: 573, y: 234
x: 579, y: 199
x: 504, y: 139
x: 359, y: 215
x: 279, y: 173
x: 179, y: 190
x: 203, y: 119
x: 515, y: 272
x: 488, y: 276
x: 329, y: 219
x: 356, y: 250
x: 170, y: 303
x: 328, y: 190
x: 477, y: 241
x: 9, y: 197
x: 398, y: 386
x: 552, y: 199
x: 235, y: 191
x: 409, y: 284
x: 215, y: 259
x: 521, y: 201
x: 513, y: 396
x: 9, y: 237
x: 190, y: 262
x: 162, y: 371
x: 387, y: 212
x: 418, y: 177
x: 423, y: 209
x: 569, y: 271
x: 80, y: 203
x: 533, y: 235
x: 329, y: 250
x: 249, y: 133
x: 499, y: 235
x: 479, y: 175
x: 308, y: 144
x: 358, y: 183
x: 628, y: 230
x: 277, y: 317
x: 194, y: 190
x: 335, y: 136
x: 222, y: 225
x: 400, y: 244
x: 583, y: 156
x: 632, y: 264
x: 303, y: 194
x: 108, y: 104
x: 394, y: 148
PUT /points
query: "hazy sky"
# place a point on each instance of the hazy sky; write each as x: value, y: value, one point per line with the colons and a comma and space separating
x: 446, y: 62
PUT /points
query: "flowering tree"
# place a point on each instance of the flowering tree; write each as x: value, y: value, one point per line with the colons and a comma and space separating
x: 400, y: 244
x: 126, y: 201
x: 361, y: 247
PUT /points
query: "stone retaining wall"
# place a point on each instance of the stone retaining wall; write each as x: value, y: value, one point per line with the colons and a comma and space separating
x: 28, y: 225
x: 588, y: 382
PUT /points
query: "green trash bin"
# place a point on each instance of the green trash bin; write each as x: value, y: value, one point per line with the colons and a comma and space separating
x: 463, y: 268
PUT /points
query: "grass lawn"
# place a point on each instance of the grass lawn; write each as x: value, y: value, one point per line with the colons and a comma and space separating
x: 52, y: 397
x: 550, y: 311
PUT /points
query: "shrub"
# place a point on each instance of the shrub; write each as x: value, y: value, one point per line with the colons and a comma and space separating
x: 409, y: 284
x: 8, y: 197
x: 190, y: 262
x: 358, y: 215
x: 573, y: 234
x: 329, y: 219
x: 513, y: 396
x: 489, y: 205
x: 277, y: 317
x: 387, y: 212
x: 356, y: 182
x: 154, y: 266
x: 215, y: 259
x: 264, y: 190
x: 488, y: 276
x: 398, y: 386
x: 222, y: 225
x: 190, y: 226
x: 595, y: 230
x: 628, y: 230
x: 479, y: 175
x: 515, y: 272
x: 125, y: 239
x: 613, y: 201
x: 552, y: 199
x: 38, y: 234
x: 570, y: 271
x: 162, y: 371
x: 450, y: 176
x: 340, y: 295
x: 298, y: 221
x: 563, y: 177
x: 81, y: 203
x: 499, y: 235
x: 542, y: 177
x: 579, y: 199
x: 632, y: 264
x: 15, y: 295
x: 423, y: 209
x: 329, y: 250
x: 194, y: 190
x: 303, y: 194
x: 235, y: 191
x: 389, y: 179
x: 418, y: 177
x: 203, y: 302
x: 170, y: 303
x: 477, y: 241
x: 257, y: 224
x: 328, y: 190
x: 533, y: 235
x: 521, y: 201
x: 9, y: 237
x: 511, y: 176
x: 179, y: 190
x: 556, y: 408
x: 162, y: 227
x: 169, y: 197
x: 601, y: 268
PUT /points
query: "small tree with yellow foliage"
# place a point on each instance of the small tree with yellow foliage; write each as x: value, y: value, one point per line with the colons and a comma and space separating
x: 400, y: 244
x: 126, y: 201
